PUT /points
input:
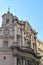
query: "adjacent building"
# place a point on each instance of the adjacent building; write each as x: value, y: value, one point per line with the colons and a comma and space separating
x: 17, y: 42
x: 40, y: 49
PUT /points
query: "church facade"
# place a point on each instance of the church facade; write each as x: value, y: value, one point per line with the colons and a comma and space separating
x: 17, y: 42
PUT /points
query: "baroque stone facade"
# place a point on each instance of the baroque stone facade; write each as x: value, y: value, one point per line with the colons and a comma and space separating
x: 17, y: 42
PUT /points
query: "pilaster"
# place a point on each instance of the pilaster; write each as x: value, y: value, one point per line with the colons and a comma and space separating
x: 15, y: 31
x: 31, y: 42
x: 22, y: 33
x: 24, y: 62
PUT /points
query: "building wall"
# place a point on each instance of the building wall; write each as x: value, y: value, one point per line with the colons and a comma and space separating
x: 6, y: 58
x: 40, y: 49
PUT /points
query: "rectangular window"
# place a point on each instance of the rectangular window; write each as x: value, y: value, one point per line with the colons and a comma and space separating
x: 5, y: 44
x: 7, y: 21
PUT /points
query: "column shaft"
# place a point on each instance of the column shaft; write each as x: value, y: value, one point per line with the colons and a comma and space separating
x: 15, y: 31
x: 22, y: 36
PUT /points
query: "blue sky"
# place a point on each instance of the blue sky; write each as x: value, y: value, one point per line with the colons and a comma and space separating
x: 30, y: 10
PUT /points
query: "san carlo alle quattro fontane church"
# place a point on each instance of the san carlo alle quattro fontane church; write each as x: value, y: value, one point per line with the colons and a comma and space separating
x: 17, y: 42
